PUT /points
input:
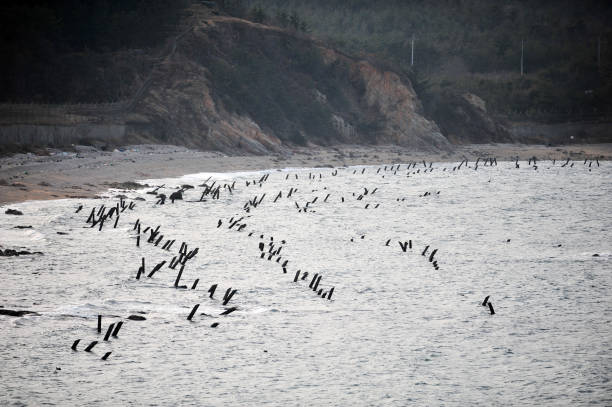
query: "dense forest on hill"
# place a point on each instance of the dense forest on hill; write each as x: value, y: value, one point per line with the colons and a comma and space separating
x: 473, y: 45
x: 48, y: 46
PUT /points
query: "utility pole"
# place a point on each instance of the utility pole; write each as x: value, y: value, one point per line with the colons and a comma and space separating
x: 412, y: 51
x: 522, y: 51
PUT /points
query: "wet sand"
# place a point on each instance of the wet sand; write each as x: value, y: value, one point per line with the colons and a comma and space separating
x: 89, y: 172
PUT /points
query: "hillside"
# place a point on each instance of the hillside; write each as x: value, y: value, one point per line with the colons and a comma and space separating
x: 232, y: 85
x: 262, y: 75
x: 474, y: 46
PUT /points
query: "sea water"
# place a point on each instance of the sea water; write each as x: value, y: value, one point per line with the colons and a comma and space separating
x: 398, y: 330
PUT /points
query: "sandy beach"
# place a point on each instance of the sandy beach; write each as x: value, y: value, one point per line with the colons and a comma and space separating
x: 87, y: 172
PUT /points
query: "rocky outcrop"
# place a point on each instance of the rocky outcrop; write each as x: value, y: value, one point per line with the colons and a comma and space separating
x: 397, y: 102
x: 463, y: 118
x: 17, y: 313
x: 345, y: 129
x: 179, y: 107
x: 13, y: 252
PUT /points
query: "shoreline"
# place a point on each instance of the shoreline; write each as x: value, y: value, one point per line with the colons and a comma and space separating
x: 89, y: 172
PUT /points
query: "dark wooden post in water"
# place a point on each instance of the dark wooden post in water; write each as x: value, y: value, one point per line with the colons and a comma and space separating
x: 106, y: 355
x: 297, y: 275
x: 195, y: 284
x: 316, y: 285
x: 170, y: 245
x: 117, y: 328
x: 74, y: 345
x: 156, y: 268
x: 330, y: 293
x: 99, y: 324
x: 228, y: 295
x: 314, y: 278
x: 211, y: 290
x: 90, y: 346
x: 193, y: 311
x: 178, y: 277
x: 491, y: 309
x: 109, y: 331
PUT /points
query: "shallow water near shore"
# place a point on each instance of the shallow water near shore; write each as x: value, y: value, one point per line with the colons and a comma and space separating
x: 396, y: 331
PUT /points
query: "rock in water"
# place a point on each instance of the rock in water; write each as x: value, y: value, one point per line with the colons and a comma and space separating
x: 13, y: 212
x: 176, y: 195
x: 13, y: 313
x: 11, y: 252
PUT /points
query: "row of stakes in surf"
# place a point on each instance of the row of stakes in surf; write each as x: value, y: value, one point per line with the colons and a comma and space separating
x: 99, y: 216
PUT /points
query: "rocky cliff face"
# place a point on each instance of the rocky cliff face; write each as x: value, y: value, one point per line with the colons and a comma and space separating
x: 237, y: 86
x: 463, y: 118
x: 398, y: 104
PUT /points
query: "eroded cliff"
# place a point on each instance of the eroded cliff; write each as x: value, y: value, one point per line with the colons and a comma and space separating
x: 233, y: 85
